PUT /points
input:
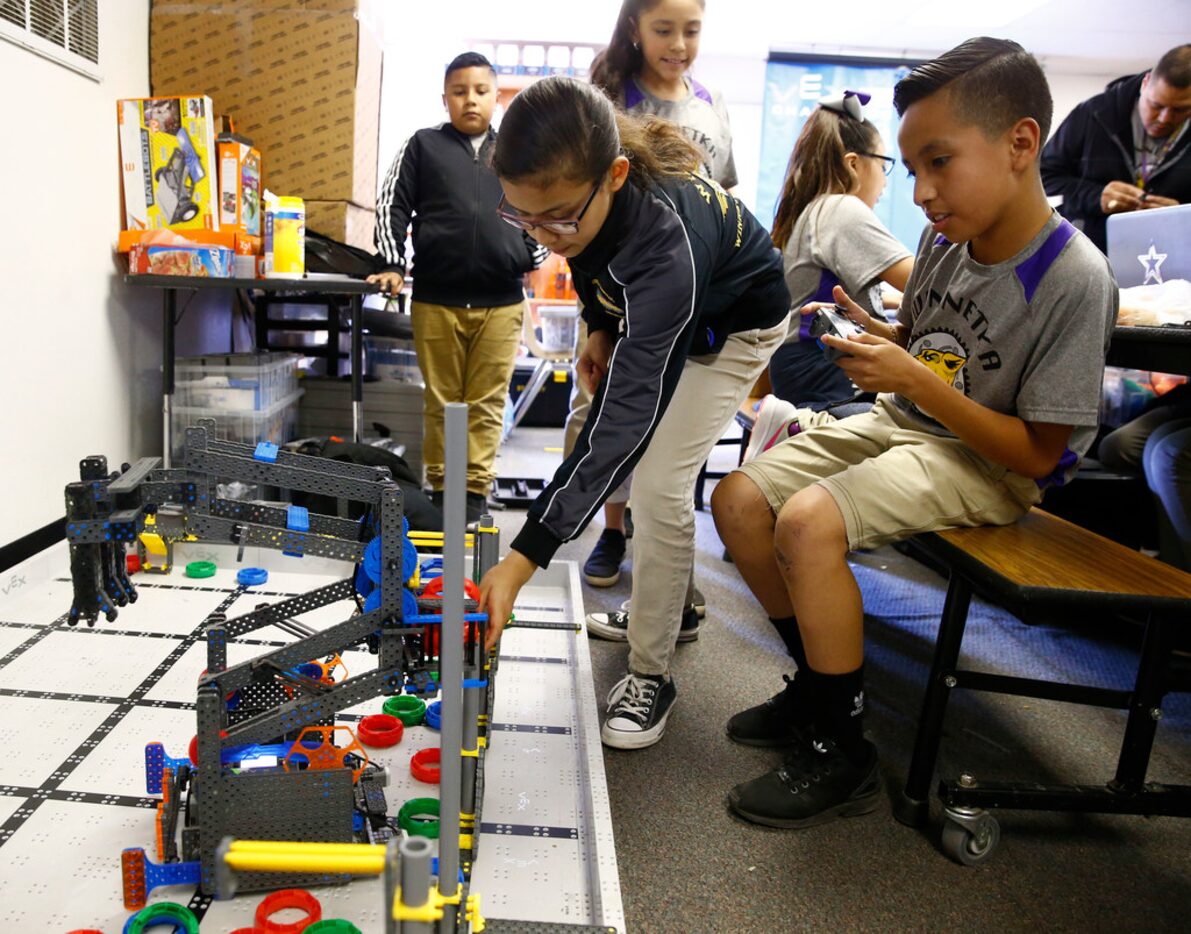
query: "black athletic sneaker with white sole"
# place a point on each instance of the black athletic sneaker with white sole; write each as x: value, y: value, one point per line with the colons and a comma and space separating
x: 638, y: 706
x: 614, y: 626
x: 816, y: 784
x: 602, y: 567
x: 782, y: 720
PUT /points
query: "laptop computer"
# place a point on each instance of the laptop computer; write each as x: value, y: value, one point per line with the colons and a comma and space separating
x: 1150, y: 247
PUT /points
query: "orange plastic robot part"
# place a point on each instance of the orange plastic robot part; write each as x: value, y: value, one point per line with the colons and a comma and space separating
x: 326, y: 755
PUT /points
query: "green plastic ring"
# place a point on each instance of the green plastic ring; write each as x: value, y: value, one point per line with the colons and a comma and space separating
x: 332, y: 926
x: 411, y: 818
x: 408, y: 709
x: 200, y: 569
x: 155, y: 914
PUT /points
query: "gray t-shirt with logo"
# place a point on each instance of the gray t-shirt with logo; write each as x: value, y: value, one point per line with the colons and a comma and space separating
x: 1026, y: 337
x: 837, y: 240
x: 701, y: 115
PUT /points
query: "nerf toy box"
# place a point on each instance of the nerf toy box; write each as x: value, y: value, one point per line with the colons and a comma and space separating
x: 167, y: 153
x: 214, y: 262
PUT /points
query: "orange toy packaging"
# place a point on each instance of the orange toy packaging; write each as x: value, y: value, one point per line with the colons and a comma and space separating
x: 167, y: 153
x: 239, y: 185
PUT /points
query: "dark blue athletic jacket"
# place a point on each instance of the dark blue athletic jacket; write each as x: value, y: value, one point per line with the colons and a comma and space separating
x: 677, y: 267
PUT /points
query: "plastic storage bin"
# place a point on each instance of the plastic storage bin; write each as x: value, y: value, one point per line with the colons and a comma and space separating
x: 560, y: 327
x: 235, y: 382
x: 392, y: 358
x: 277, y: 423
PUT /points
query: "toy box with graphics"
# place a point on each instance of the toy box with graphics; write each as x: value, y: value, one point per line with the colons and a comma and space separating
x: 167, y: 152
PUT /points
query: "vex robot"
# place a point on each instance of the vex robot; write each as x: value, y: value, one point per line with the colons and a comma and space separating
x: 317, y: 790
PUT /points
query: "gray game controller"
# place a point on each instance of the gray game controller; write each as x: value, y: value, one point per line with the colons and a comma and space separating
x: 832, y: 319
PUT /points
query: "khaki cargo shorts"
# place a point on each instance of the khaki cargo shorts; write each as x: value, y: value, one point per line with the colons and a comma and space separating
x: 891, y: 480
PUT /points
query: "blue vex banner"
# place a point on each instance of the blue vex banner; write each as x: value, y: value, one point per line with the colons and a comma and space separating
x: 792, y: 89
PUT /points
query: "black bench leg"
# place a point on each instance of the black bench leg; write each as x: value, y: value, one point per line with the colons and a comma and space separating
x: 1148, y: 691
x: 914, y: 806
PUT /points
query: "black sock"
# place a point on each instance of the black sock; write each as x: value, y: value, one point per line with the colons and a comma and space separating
x: 838, y: 708
x: 788, y: 629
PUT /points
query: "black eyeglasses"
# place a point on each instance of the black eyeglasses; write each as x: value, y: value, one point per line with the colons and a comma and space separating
x: 888, y: 161
x: 563, y: 227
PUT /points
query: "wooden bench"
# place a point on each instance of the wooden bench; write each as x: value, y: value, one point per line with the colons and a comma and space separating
x: 1043, y: 561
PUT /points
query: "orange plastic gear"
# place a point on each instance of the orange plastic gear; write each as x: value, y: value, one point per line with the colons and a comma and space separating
x: 327, y: 755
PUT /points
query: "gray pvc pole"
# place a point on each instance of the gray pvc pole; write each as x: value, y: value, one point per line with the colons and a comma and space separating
x: 415, y: 881
x: 451, y: 657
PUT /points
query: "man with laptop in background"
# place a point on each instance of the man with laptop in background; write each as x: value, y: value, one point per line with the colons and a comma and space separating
x: 1125, y: 149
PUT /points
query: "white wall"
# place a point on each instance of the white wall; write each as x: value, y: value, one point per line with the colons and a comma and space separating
x: 81, y: 372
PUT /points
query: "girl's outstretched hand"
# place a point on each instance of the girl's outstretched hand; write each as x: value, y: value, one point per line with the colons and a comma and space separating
x: 499, y: 589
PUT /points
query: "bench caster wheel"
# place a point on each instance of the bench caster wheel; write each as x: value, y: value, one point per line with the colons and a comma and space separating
x: 970, y: 835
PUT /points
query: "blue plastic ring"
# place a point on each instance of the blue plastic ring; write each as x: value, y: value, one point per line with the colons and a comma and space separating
x: 250, y: 577
x: 433, y: 717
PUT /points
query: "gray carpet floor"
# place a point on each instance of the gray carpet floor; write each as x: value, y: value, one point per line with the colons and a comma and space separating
x: 687, y: 865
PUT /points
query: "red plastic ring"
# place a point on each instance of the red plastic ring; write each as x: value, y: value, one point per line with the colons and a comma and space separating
x: 288, y: 898
x: 424, y: 766
x: 380, y: 729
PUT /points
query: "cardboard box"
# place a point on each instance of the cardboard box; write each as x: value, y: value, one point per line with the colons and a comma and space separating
x: 239, y: 185
x: 343, y: 221
x: 301, y: 78
x: 167, y: 151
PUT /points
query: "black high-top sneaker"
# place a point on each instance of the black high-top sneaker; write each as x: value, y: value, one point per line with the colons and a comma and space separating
x: 638, y: 706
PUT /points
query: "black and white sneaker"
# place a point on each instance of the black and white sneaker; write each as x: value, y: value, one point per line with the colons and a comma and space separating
x: 699, y: 603
x: 638, y: 706
x: 615, y: 625
x: 817, y: 783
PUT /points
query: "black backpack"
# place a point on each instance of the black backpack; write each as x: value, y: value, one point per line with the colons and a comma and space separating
x: 423, y: 515
x: 325, y: 255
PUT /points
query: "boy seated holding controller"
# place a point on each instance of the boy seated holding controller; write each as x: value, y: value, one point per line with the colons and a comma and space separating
x: 989, y: 393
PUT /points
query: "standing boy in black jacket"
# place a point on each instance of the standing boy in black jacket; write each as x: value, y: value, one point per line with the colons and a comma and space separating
x: 1125, y: 149
x: 468, y: 298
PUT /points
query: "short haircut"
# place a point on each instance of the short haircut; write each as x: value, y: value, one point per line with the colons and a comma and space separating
x: 993, y: 84
x: 1175, y: 67
x: 468, y: 60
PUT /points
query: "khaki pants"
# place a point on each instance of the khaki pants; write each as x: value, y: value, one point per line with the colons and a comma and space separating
x: 705, y: 401
x: 890, y: 479
x: 466, y: 355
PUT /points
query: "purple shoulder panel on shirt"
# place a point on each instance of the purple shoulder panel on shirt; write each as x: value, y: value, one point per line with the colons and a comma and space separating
x: 700, y: 92
x: 1031, y: 271
x: 633, y: 95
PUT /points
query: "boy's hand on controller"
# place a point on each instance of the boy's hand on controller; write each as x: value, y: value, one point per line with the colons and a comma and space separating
x: 875, y: 364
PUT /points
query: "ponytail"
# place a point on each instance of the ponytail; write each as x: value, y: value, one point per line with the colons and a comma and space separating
x: 561, y: 128
x: 817, y: 165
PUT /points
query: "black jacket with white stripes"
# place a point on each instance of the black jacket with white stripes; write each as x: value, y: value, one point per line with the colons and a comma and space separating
x: 465, y: 255
x: 676, y: 268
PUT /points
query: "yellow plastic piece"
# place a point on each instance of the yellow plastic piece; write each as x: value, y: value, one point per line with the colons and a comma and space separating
x: 286, y: 846
x: 429, y: 913
x: 472, y: 913
x: 465, y: 841
x: 357, y: 865
x: 473, y: 753
x: 482, y: 741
